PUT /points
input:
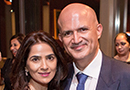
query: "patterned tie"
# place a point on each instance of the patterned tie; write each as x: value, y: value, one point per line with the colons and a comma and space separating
x: 81, y: 79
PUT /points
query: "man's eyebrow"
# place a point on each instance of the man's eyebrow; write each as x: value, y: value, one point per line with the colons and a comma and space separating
x: 66, y: 31
x: 82, y: 28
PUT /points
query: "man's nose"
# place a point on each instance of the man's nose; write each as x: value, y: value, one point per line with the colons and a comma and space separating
x: 76, y: 37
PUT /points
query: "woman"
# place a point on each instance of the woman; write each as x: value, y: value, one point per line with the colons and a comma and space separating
x: 122, y: 44
x: 15, y: 43
x: 40, y: 64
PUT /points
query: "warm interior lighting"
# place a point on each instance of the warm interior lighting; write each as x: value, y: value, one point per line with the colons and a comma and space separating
x: 7, y: 2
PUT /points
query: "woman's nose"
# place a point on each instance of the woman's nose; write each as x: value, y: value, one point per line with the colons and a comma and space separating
x: 119, y: 46
x: 11, y: 48
x: 44, y: 65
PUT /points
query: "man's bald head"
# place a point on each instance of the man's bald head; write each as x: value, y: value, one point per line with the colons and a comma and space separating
x: 75, y: 10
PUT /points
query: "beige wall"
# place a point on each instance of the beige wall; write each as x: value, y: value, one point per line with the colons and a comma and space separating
x: 46, y: 18
x: 113, y: 15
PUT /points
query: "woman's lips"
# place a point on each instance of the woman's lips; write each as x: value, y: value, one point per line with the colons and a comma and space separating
x: 14, y: 52
x: 45, y: 74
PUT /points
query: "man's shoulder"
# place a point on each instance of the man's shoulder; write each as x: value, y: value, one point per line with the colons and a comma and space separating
x: 116, y: 65
x: 114, y: 73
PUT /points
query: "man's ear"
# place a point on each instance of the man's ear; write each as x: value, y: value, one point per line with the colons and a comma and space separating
x: 99, y: 30
x: 60, y: 37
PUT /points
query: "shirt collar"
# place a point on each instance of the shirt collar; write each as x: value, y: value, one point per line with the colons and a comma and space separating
x: 93, y: 69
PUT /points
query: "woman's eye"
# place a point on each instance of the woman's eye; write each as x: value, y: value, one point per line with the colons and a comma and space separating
x: 34, y: 59
x: 123, y: 43
x: 15, y: 44
x: 117, y: 44
x: 50, y: 57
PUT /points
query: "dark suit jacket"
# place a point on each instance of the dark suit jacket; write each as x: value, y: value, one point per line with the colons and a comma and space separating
x: 114, y: 75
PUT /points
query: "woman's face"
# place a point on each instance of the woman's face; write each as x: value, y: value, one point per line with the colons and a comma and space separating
x: 14, y: 46
x: 122, y: 45
x: 41, y: 63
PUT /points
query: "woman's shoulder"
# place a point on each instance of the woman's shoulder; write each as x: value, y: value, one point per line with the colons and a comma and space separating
x: 8, y: 61
x: 116, y: 57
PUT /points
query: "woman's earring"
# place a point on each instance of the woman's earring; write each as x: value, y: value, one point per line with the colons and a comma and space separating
x: 26, y: 71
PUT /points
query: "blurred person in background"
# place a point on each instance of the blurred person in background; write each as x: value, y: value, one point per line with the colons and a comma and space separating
x: 15, y: 43
x: 122, y: 45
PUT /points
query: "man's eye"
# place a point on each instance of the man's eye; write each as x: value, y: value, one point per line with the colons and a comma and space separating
x: 68, y: 33
x: 82, y: 30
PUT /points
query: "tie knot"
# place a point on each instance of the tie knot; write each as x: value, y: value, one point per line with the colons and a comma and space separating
x: 81, y: 77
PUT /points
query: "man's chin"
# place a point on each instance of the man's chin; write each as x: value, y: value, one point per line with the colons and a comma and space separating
x: 77, y: 57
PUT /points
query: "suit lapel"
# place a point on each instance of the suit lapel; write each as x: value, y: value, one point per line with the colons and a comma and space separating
x: 105, y: 78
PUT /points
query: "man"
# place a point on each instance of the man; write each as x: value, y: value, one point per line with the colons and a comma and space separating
x: 79, y: 31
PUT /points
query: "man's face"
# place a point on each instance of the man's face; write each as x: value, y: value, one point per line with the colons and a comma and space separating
x: 80, y: 34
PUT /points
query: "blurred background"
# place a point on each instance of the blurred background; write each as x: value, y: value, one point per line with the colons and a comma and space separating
x: 25, y: 16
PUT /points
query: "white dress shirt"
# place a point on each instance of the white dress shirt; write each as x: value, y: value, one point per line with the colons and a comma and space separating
x: 92, y: 71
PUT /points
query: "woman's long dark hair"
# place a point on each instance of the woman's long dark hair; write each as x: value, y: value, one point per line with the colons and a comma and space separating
x: 19, y: 79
